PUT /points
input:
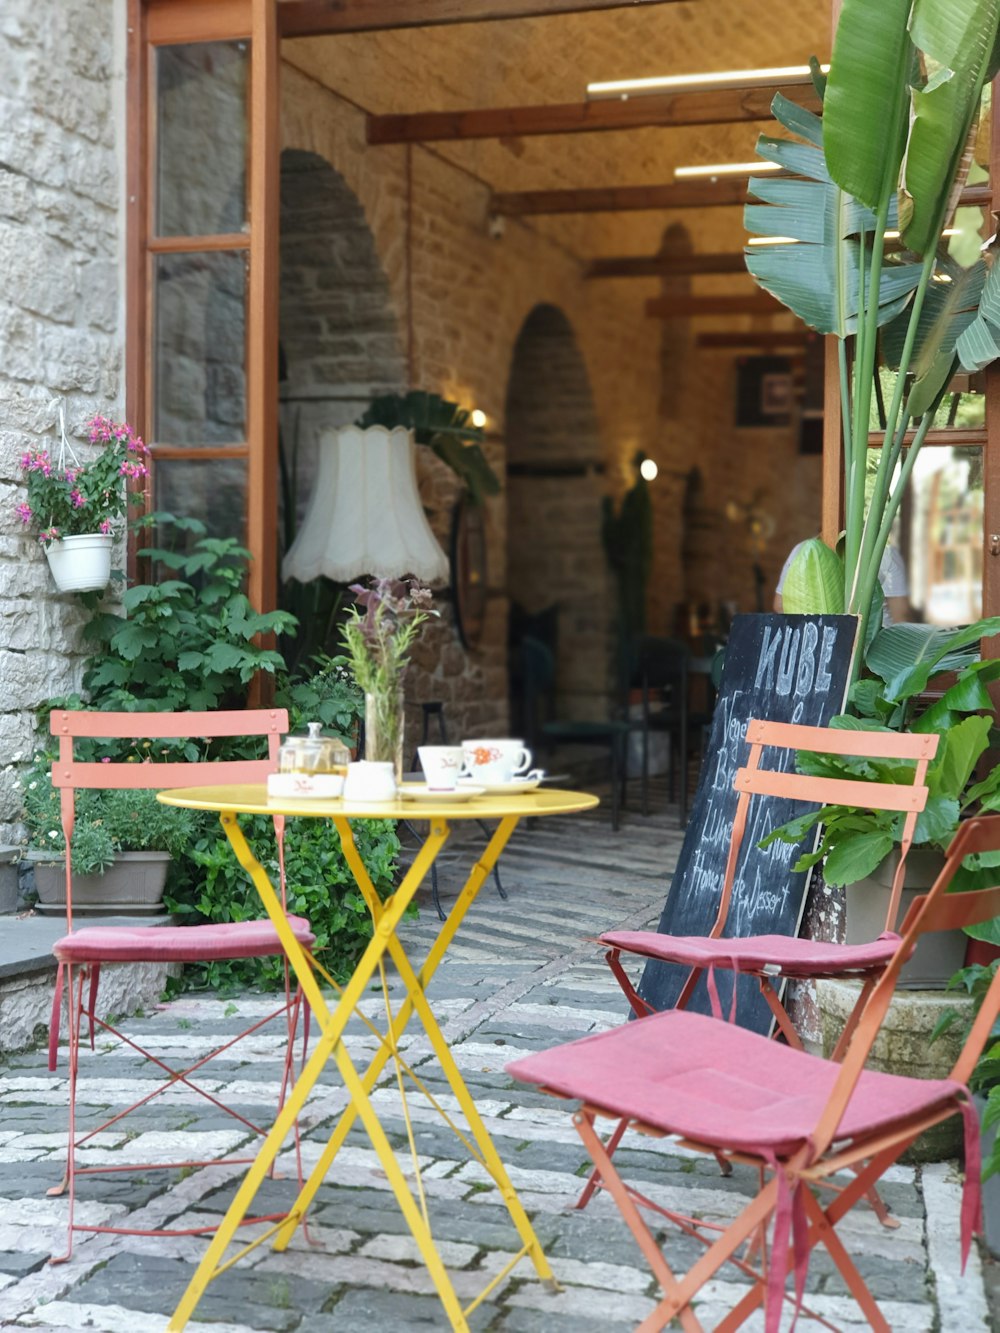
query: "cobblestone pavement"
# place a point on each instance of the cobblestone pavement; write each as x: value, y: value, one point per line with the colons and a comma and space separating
x: 521, y: 975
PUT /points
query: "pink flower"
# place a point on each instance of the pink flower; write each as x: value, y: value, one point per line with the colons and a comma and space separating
x: 104, y: 525
x: 76, y: 499
x: 23, y: 512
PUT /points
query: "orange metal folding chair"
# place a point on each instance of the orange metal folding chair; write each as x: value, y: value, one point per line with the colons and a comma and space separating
x: 796, y: 1117
x: 772, y: 959
x: 82, y: 953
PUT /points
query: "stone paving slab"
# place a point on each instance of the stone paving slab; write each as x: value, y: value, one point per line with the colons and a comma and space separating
x: 524, y: 974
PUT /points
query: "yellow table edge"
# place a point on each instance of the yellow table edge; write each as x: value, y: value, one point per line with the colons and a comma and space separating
x: 252, y: 799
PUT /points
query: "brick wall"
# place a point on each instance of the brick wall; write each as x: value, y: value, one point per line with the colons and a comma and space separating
x: 60, y: 325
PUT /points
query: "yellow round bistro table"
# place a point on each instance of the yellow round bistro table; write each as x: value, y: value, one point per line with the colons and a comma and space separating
x: 507, y: 811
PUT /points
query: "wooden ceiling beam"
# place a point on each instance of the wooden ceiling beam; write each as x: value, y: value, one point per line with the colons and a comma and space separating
x: 710, y: 107
x: 764, y: 342
x: 622, y: 198
x: 318, y: 18
x: 664, y: 266
x: 690, y: 307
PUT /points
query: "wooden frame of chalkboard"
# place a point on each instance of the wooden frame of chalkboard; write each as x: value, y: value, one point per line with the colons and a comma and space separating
x: 782, y: 668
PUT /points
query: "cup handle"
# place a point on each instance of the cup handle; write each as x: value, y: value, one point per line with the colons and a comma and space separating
x: 523, y: 760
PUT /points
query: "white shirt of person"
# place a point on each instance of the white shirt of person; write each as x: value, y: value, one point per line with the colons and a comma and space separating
x: 891, y: 575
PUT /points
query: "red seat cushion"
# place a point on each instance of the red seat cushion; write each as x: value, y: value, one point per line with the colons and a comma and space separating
x: 720, y: 1085
x: 795, y: 957
x: 177, y: 944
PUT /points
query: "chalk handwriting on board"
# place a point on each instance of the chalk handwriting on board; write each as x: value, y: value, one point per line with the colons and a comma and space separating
x: 783, y: 669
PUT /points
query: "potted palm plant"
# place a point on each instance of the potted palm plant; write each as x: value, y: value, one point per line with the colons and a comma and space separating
x: 859, y: 848
x: 889, y: 156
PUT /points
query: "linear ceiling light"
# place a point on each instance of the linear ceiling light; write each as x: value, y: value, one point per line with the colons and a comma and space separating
x: 725, y: 169
x: 790, y: 240
x: 692, y: 83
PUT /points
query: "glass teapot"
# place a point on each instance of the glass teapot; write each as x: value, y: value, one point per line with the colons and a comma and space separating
x: 314, y: 753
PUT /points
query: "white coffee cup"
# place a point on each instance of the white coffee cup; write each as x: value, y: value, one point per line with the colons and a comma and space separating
x: 370, y: 782
x: 495, y: 761
x: 441, y: 765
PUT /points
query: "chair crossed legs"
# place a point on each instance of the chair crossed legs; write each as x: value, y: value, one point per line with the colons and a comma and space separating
x: 82, y: 953
x: 797, y: 1118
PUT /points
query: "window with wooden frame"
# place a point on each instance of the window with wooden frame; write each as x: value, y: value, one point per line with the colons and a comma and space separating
x: 202, y: 264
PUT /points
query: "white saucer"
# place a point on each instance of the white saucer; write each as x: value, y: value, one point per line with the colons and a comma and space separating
x: 419, y: 791
x: 526, y: 783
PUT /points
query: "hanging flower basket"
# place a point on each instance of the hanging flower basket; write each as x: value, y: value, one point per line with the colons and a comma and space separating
x: 81, y: 563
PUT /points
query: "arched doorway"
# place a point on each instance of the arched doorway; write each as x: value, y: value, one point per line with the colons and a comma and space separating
x: 557, y: 574
x: 339, y: 346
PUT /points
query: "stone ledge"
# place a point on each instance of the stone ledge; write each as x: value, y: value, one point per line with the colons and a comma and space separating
x: 27, y: 976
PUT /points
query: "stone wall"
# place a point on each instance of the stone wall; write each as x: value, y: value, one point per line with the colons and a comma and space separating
x: 60, y: 314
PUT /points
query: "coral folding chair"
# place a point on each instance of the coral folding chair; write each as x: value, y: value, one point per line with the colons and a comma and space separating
x: 800, y: 1119
x: 81, y: 954
x: 773, y: 959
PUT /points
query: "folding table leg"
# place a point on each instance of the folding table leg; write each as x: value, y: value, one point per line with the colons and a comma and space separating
x: 332, y: 1030
x: 477, y: 877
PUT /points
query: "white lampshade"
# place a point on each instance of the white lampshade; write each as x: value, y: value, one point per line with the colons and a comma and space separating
x: 365, y: 516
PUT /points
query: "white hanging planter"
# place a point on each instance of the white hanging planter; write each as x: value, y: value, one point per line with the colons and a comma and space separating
x: 82, y: 563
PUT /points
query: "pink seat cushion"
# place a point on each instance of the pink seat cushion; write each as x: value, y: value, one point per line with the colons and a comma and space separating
x: 707, y: 1080
x: 795, y: 957
x: 177, y: 944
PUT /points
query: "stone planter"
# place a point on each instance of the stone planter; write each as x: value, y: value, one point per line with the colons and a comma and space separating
x: 939, y: 955
x: 904, y: 1046
x: 9, y: 857
x: 991, y: 1187
x: 81, y: 563
x: 132, y: 886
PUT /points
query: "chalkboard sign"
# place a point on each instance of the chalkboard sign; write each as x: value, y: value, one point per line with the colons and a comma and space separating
x: 783, y: 669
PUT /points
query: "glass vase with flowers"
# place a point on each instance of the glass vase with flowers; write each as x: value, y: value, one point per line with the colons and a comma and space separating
x: 379, y: 635
x: 77, y: 509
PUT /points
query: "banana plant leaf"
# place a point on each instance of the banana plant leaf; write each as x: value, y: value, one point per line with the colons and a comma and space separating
x: 979, y: 344
x: 957, y: 38
x: 817, y: 277
x: 950, y: 306
x: 865, y: 94
x: 814, y: 583
x: 906, y: 656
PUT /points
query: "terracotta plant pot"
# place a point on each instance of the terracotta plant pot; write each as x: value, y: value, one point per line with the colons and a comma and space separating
x: 132, y: 885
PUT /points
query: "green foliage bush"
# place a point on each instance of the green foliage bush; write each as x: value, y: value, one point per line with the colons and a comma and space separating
x: 189, y: 643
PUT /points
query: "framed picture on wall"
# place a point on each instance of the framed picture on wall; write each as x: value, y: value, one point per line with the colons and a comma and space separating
x: 763, y: 391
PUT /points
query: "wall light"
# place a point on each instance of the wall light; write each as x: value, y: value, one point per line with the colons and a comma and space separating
x: 478, y: 418
x: 648, y: 470
x: 691, y: 83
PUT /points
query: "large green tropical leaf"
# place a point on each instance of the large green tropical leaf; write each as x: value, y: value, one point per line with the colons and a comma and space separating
x: 862, y: 110
x: 814, y: 584
x: 817, y: 276
x: 950, y: 306
x: 906, y: 656
x: 980, y: 342
x: 957, y: 38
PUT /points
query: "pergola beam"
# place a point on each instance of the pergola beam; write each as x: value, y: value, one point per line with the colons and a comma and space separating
x: 664, y: 266
x: 709, y: 107
x: 317, y: 18
x: 726, y: 192
x: 761, y: 342
x: 690, y: 307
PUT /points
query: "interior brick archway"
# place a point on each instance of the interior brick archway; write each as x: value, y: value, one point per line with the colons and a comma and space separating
x: 557, y: 574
